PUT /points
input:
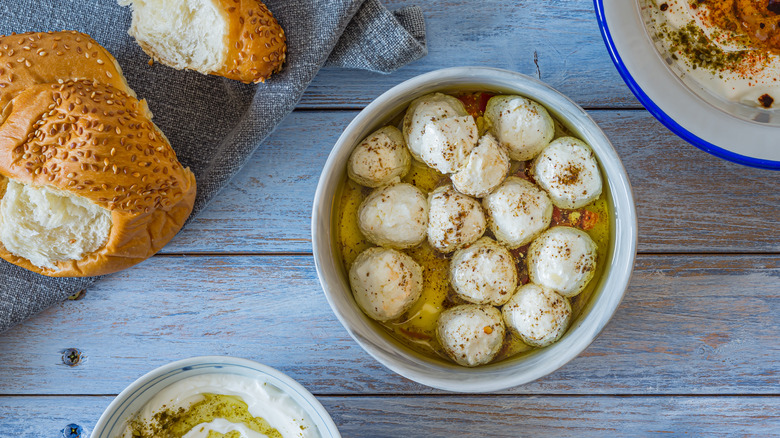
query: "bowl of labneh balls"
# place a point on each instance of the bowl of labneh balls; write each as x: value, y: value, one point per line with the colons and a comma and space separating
x: 473, y: 229
x: 213, y: 396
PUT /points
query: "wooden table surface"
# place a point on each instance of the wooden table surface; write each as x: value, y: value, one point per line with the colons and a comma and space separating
x: 693, y: 347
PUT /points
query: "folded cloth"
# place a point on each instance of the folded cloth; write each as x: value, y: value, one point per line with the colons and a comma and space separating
x: 214, y: 124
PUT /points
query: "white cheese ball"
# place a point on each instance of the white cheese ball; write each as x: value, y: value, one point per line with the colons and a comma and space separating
x: 385, y: 282
x: 518, y: 211
x: 471, y: 334
x: 486, y: 167
x: 447, y: 143
x: 539, y: 316
x: 380, y: 158
x: 395, y: 216
x: 568, y: 171
x: 454, y: 219
x: 522, y: 125
x: 426, y: 109
x: 562, y: 259
x: 483, y: 273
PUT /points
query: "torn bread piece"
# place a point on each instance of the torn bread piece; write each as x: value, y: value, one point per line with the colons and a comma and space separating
x: 237, y: 39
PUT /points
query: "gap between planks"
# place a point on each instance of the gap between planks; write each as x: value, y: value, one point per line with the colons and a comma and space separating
x: 310, y: 254
x: 235, y: 254
x: 460, y: 395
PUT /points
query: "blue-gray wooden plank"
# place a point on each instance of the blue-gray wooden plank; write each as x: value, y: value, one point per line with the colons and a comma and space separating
x: 687, y: 200
x: 477, y: 416
x: 563, y: 35
x: 690, y: 324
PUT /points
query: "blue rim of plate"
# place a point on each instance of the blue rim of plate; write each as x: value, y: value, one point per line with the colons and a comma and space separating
x: 659, y: 114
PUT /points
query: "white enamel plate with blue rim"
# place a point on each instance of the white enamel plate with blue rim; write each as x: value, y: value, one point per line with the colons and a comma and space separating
x: 752, y: 140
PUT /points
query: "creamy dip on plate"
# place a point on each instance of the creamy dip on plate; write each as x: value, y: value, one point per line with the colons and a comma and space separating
x: 729, y: 47
x: 221, y: 405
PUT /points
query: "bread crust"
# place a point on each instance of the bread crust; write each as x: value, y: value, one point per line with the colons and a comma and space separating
x: 256, y: 43
x: 98, y: 142
x: 32, y: 58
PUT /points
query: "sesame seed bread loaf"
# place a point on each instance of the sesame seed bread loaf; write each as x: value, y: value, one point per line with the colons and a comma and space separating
x: 237, y: 39
x: 88, y: 184
x: 43, y: 58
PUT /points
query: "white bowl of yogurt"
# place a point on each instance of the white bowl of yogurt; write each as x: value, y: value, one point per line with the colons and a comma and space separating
x: 191, y: 397
x: 710, y: 88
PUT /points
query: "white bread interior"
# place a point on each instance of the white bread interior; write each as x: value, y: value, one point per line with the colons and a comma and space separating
x: 182, y: 33
x: 47, y: 226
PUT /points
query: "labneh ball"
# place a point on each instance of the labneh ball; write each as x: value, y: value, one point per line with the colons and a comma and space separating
x: 395, y: 216
x: 483, y: 273
x: 440, y: 132
x: 562, y: 259
x: 539, y: 316
x: 523, y: 126
x: 454, y: 219
x: 485, y: 169
x: 568, y: 171
x: 471, y: 334
x: 517, y: 212
x: 379, y: 158
x: 385, y: 282
x: 447, y: 143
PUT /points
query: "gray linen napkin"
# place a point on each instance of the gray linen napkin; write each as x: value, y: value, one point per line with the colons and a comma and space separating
x: 214, y: 124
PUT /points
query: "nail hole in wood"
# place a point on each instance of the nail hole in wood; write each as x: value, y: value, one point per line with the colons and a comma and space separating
x: 72, y: 431
x: 71, y: 357
x: 536, y: 62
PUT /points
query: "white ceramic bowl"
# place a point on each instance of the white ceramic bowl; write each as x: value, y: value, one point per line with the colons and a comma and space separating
x: 728, y: 130
x: 439, y: 373
x: 128, y: 402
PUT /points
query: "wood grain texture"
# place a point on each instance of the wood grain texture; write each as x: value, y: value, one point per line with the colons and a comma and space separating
x: 563, y: 34
x: 477, y: 416
x: 692, y: 350
x: 687, y: 200
x: 688, y: 325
